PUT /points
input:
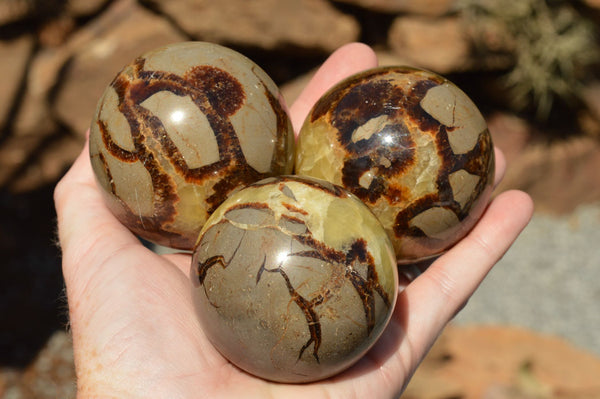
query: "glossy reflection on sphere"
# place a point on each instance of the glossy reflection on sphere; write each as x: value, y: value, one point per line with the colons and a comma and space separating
x: 294, y: 279
x: 412, y: 146
x: 180, y: 128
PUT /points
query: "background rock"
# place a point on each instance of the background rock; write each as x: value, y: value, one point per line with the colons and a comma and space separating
x: 50, y: 376
x: 267, y: 24
x: 440, y: 45
x: 504, y: 362
x: 423, y: 7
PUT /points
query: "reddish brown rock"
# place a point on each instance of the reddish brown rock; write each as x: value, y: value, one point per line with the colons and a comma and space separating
x: 43, y: 160
x: 100, y: 50
x: 440, y: 45
x: 13, y: 156
x: 264, y: 23
x: 558, y: 175
x: 34, y: 114
x: 55, y: 32
x: 590, y: 117
x: 504, y: 362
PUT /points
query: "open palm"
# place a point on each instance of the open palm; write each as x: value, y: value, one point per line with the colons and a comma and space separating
x: 135, y: 333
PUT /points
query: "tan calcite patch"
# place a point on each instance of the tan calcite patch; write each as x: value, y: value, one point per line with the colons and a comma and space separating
x: 139, y: 200
x: 463, y: 185
x: 374, y: 125
x: 451, y: 107
x: 139, y: 197
x: 366, y: 179
x: 179, y: 116
x: 115, y: 121
x: 435, y: 222
x: 258, y: 117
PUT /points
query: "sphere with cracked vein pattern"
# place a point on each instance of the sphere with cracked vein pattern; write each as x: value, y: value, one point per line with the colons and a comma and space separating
x: 178, y: 130
x: 412, y: 146
x: 295, y: 279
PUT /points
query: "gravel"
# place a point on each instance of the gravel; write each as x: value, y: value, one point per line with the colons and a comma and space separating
x: 549, y: 281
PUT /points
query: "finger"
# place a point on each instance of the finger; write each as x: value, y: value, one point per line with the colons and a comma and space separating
x: 347, y: 60
x: 453, y: 278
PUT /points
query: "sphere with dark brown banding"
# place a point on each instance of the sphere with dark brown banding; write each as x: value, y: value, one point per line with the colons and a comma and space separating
x: 179, y: 129
x: 295, y: 279
x: 412, y: 146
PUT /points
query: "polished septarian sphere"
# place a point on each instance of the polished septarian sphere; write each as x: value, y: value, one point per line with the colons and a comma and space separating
x: 294, y: 279
x: 412, y: 146
x: 179, y: 129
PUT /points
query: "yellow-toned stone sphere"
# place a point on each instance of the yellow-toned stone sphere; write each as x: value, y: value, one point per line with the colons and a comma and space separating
x: 412, y: 146
x: 295, y: 279
x: 179, y: 129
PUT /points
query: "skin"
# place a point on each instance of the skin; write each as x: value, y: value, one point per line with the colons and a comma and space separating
x: 134, y: 331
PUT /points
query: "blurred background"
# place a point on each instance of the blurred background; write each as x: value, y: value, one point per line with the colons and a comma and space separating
x: 533, y: 328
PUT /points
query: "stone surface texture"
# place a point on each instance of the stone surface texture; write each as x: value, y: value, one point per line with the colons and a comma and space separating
x: 412, y: 146
x: 50, y: 375
x: 286, y: 289
x: 423, y: 7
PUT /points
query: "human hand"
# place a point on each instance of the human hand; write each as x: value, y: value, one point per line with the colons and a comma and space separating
x: 135, y: 332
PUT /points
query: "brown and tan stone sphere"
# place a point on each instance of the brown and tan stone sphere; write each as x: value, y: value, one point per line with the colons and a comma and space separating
x: 412, y: 146
x: 179, y: 129
x: 295, y: 279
